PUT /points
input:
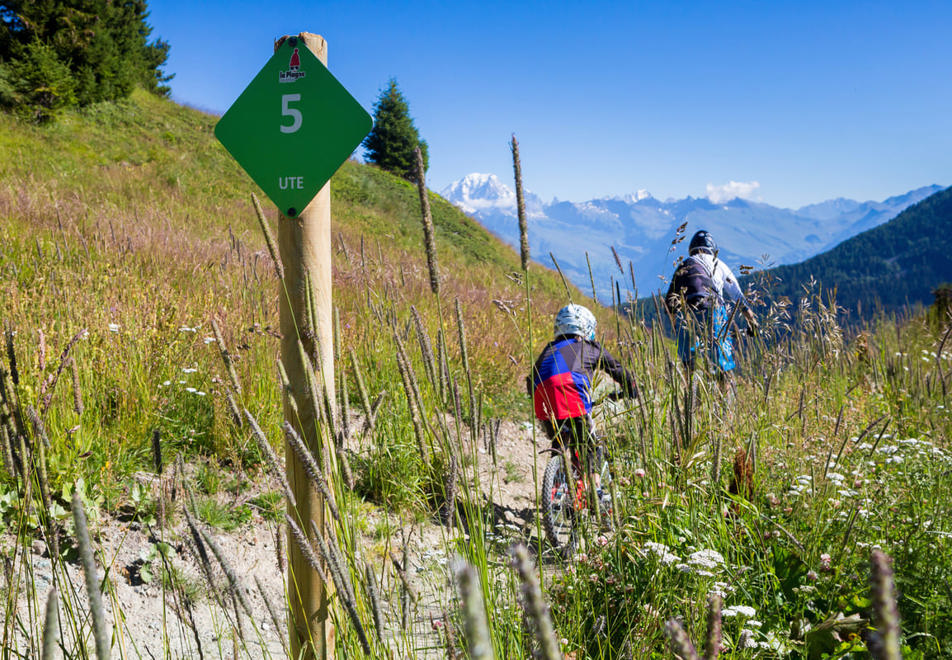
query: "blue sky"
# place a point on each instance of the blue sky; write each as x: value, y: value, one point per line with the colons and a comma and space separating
x: 797, y: 102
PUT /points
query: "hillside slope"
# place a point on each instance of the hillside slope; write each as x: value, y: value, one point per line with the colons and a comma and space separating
x: 892, y: 265
x: 146, y: 177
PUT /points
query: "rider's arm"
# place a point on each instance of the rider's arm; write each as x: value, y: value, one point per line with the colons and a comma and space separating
x: 607, y: 363
x: 732, y: 292
x: 730, y: 286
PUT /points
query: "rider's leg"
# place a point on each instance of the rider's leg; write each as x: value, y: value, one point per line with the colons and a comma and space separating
x: 589, y: 450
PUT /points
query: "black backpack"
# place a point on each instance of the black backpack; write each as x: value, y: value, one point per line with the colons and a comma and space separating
x: 693, y: 282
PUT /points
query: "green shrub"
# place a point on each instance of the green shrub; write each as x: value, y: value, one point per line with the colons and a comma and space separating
x: 38, y: 85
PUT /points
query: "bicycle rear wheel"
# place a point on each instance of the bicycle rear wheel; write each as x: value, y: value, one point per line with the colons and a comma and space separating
x: 558, y: 502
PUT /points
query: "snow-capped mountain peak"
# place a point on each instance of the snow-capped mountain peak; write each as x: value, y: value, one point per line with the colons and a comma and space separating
x: 480, y: 192
x: 641, y: 228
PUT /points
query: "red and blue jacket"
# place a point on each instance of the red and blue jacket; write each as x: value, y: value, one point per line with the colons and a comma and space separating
x: 561, y: 380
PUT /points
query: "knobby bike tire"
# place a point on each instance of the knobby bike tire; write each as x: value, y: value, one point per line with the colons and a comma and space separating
x: 558, y: 518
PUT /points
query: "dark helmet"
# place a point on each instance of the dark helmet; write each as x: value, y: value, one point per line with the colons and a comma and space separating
x: 702, y: 242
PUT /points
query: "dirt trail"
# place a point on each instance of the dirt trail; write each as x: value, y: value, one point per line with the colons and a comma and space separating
x: 154, y: 621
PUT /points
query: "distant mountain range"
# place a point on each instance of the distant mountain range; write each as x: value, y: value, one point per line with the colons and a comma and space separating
x: 642, y: 229
x: 898, y: 263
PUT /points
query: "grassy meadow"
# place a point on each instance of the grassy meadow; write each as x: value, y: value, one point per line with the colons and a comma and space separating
x: 132, y: 262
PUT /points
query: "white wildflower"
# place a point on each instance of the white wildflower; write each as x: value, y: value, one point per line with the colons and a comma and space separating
x: 661, y: 552
x: 707, y: 560
x: 113, y: 327
x: 745, y: 611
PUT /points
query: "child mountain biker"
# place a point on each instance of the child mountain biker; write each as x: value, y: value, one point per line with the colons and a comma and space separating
x: 561, y: 381
x: 704, y: 284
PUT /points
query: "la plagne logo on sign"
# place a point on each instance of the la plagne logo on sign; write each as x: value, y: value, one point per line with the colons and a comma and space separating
x: 294, y: 69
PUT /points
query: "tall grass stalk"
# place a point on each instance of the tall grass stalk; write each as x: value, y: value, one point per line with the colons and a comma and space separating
x: 311, y: 468
x: 362, y: 391
x: 478, y: 641
x: 536, y: 609
x: 226, y: 357
x: 679, y: 641
x: 315, y: 391
x: 49, y: 385
x: 565, y: 284
x: 464, y: 356
x: 271, y: 459
x: 268, y: 238
x: 520, y: 205
x: 591, y: 278
x: 429, y: 236
x: 77, y: 388
x: 306, y: 548
x: 345, y: 589
x: 426, y: 348
x: 714, y: 628
x: 12, y: 356
x: 233, y: 581
x: 412, y: 400
x: 373, y: 593
x: 882, y: 588
x: 272, y: 614
x: 93, y: 590
x: 51, y: 632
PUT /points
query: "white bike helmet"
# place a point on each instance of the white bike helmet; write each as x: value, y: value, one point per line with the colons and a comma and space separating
x: 575, y: 320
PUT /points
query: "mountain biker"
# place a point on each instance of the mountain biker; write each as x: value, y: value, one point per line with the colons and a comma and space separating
x: 561, y: 381
x: 698, y: 295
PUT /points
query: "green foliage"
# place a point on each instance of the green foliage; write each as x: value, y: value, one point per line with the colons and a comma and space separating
x: 270, y: 505
x: 59, y: 52
x: 392, y: 142
x: 38, y: 85
x: 223, y: 515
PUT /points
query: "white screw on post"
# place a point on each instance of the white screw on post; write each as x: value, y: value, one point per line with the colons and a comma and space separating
x: 305, y: 246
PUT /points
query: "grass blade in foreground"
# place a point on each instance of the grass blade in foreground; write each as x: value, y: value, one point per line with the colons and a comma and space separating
x: 100, y: 629
x: 50, y: 626
x: 535, y: 606
x: 884, y: 642
x: 681, y: 644
x: 478, y: 641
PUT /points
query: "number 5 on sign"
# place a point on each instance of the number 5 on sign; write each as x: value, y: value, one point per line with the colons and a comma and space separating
x: 293, y: 113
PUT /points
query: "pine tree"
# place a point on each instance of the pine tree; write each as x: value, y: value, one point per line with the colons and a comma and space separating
x: 391, y: 143
x: 102, y: 45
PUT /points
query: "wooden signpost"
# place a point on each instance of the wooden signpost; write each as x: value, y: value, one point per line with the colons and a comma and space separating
x: 291, y: 129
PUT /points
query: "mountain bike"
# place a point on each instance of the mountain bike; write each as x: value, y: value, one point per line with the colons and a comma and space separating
x: 571, y: 507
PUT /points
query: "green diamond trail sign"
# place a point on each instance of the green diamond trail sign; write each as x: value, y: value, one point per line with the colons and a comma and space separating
x: 293, y: 126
